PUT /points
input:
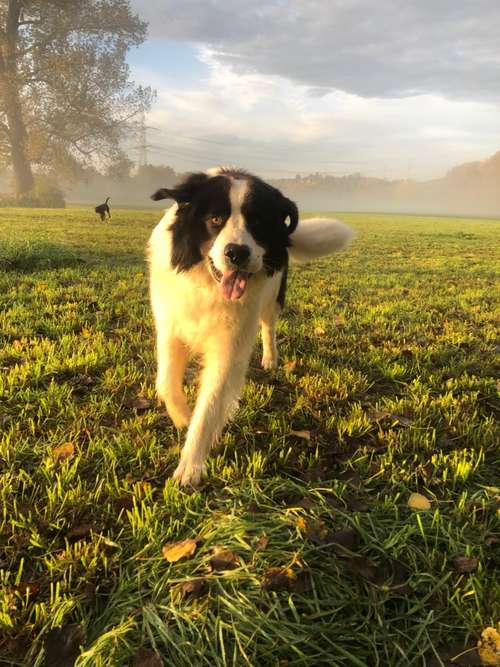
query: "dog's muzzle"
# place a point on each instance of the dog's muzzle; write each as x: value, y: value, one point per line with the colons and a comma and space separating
x: 233, y: 283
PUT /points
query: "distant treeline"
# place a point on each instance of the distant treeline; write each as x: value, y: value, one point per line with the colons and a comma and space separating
x: 469, y: 189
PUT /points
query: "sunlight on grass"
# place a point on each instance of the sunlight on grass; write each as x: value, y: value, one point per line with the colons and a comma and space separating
x: 388, y: 364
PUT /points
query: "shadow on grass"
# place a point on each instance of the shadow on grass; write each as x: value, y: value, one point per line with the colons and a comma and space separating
x: 36, y: 255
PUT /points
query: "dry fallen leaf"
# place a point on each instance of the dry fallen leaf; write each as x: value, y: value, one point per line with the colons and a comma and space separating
x: 80, y: 531
x: 27, y: 588
x: 262, y: 543
x: 465, y: 563
x: 141, y: 403
x: 290, y: 366
x: 488, y: 646
x: 223, y: 559
x: 287, y: 579
x: 174, y: 551
x: 63, y: 452
x: 419, y: 502
x: 303, y: 582
x: 305, y: 435
x: 195, y: 588
x: 278, y: 579
x: 315, y: 530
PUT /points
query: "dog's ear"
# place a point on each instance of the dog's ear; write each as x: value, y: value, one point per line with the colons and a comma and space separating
x: 162, y: 193
x: 184, y: 191
x: 290, y: 211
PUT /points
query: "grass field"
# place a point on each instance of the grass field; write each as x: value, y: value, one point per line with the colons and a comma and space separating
x: 307, y: 552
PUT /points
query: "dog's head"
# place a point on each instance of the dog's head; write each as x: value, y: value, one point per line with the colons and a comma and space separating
x: 235, y: 222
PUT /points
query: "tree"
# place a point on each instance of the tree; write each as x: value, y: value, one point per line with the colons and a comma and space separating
x: 65, y: 96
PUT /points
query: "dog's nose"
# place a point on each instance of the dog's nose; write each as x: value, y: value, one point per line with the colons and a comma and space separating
x: 237, y: 254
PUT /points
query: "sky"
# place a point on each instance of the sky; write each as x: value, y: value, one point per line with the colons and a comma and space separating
x: 389, y: 88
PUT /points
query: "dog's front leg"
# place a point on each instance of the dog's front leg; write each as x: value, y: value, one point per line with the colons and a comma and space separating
x: 172, y: 359
x: 221, y: 384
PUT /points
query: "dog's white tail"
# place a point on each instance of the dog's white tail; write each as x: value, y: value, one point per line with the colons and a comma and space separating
x: 316, y: 237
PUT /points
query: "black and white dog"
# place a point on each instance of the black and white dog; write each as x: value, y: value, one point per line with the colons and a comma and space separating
x: 102, y: 209
x: 218, y: 267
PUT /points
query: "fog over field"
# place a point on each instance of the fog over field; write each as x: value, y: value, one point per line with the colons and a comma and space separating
x: 468, y: 189
x: 343, y: 108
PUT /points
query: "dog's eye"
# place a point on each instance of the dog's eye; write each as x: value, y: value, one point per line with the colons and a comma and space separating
x: 216, y: 221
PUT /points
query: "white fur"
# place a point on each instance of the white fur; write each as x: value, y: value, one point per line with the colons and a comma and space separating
x: 316, y: 237
x: 192, y: 316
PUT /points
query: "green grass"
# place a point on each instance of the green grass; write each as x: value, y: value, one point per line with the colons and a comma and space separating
x: 389, y: 358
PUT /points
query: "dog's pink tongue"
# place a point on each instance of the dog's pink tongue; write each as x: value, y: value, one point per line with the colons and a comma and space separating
x: 234, y: 284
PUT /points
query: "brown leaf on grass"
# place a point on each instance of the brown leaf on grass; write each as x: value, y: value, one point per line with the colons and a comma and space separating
x: 305, y: 435
x: 362, y: 567
x: 320, y: 534
x: 124, y: 502
x: 404, y: 421
x: 278, y: 579
x: 79, y: 531
x: 316, y: 474
x: 391, y: 575
x: 195, y: 588
x: 419, y: 502
x: 175, y: 551
x: 290, y: 366
x: 63, y: 452
x: 465, y: 563
x: 357, y: 505
x: 380, y: 415
x: 351, y: 478
x: 319, y: 331
x: 303, y: 582
x: 262, y: 543
x: 223, y: 559
x: 426, y: 471
x: 82, y: 380
x: 315, y: 530
x: 492, y: 540
x: 27, y: 589
x: 286, y: 579
x: 141, y: 403
x: 305, y: 503
x: 62, y: 645
x: 145, y: 658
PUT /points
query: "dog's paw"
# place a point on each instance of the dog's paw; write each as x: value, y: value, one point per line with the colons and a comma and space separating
x: 180, y: 412
x: 189, y: 474
x: 181, y: 416
x: 269, y: 361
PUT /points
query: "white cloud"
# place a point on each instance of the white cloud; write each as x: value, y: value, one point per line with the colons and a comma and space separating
x: 387, y: 48
x: 272, y: 125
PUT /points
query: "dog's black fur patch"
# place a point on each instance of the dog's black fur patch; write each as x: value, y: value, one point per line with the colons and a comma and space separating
x: 282, y: 292
x: 201, y: 197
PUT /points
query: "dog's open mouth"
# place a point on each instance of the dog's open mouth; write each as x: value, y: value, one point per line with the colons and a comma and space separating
x: 233, y: 283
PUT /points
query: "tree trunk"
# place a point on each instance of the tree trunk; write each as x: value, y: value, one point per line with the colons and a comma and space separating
x: 9, y: 90
x: 21, y: 167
